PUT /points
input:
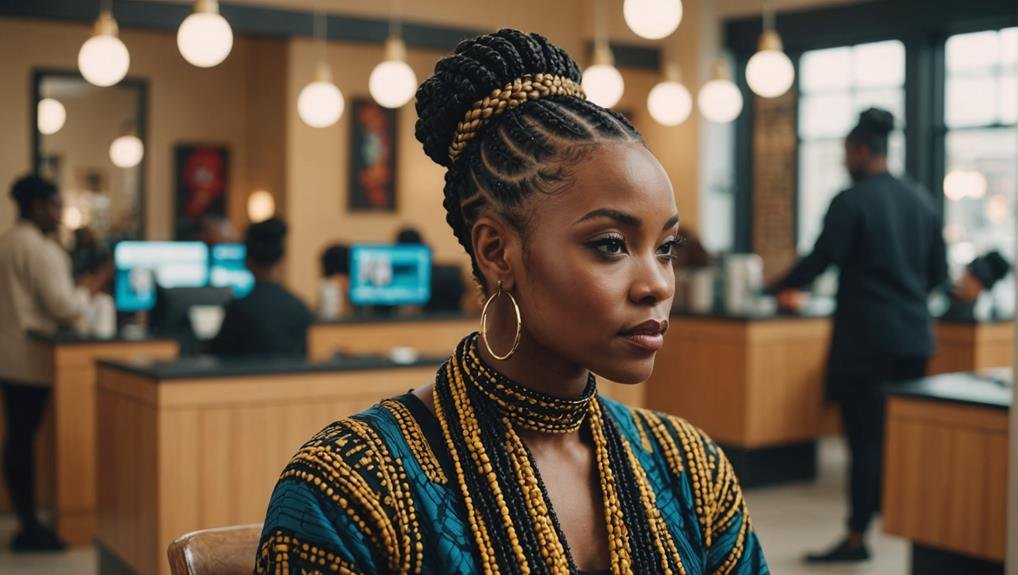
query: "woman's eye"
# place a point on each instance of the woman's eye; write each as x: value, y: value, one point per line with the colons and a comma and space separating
x: 610, y: 246
x: 670, y: 249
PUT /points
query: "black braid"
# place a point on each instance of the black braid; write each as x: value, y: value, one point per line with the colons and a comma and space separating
x: 525, y: 150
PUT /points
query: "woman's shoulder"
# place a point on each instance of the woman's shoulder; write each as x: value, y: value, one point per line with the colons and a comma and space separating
x: 345, y: 492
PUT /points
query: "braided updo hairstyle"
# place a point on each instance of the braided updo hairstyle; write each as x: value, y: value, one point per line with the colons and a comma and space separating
x: 526, y: 149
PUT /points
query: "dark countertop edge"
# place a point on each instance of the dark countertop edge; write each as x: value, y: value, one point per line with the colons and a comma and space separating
x: 974, y: 321
x: 161, y: 372
x: 370, y: 319
x: 747, y: 317
x: 720, y: 316
x: 960, y: 392
x: 951, y: 400
x: 67, y: 338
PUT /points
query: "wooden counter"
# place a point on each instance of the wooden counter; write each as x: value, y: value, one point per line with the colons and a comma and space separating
x: 964, y: 346
x: 945, y: 471
x: 432, y: 334
x: 195, y: 444
x: 754, y: 384
x: 67, y: 447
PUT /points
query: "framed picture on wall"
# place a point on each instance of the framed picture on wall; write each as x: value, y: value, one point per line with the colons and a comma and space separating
x: 201, y: 174
x: 372, y: 185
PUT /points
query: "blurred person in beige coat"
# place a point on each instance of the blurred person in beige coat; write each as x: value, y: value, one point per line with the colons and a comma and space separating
x: 36, y: 293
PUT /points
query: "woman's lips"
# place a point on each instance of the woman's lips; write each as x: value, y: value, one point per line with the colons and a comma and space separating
x: 645, y: 341
x: 649, y: 335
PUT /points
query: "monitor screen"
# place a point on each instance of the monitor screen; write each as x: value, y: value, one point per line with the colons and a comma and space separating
x: 229, y: 270
x: 390, y: 274
x: 142, y: 266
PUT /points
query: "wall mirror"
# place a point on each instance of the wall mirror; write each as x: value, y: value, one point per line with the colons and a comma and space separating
x: 91, y: 142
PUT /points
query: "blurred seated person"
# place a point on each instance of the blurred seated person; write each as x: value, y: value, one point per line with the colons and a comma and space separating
x: 980, y: 276
x: 447, y: 285
x: 447, y: 289
x: 269, y: 320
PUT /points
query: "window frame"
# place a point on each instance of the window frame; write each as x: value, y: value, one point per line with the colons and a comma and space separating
x: 923, y: 26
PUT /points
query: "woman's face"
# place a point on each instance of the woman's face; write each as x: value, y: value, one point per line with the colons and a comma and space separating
x: 595, y: 277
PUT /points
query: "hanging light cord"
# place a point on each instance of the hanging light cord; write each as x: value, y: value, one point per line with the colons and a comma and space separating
x: 768, y: 14
x: 106, y: 6
x: 599, y: 34
x: 395, y: 24
x: 320, y: 31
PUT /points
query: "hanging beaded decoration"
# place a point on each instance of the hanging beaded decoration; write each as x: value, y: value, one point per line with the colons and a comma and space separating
x: 510, y: 514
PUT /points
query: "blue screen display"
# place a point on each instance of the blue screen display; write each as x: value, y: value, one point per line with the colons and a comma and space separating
x: 390, y: 274
x: 142, y: 266
x: 229, y: 270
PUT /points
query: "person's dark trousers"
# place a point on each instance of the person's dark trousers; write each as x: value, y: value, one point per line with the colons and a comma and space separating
x: 23, y: 409
x: 862, y: 412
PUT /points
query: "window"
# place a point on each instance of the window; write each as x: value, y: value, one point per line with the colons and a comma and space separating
x: 980, y: 143
x: 836, y: 84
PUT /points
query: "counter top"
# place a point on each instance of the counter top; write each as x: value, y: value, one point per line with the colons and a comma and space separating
x: 213, y: 367
x: 740, y: 317
x: 958, y: 319
x: 991, y: 388
x: 66, y: 337
x: 396, y: 318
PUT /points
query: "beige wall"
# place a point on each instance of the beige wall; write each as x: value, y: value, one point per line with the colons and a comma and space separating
x: 186, y: 104
x: 317, y: 159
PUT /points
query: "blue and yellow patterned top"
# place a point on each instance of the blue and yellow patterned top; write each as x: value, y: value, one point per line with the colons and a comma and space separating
x: 377, y: 493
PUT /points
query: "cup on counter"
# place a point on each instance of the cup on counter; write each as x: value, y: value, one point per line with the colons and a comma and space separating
x: 104, y: 318
x: 701, y: 291
x: 403, y: 355
x: 330, y: 300
x: 743, y: 279
x: 206, y: 320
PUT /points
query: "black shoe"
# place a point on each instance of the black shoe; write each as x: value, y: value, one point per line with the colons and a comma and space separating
x: 35, y: 539
x: 841, y: 553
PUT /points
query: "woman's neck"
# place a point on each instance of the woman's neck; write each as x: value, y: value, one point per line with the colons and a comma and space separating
x: 539, y: 369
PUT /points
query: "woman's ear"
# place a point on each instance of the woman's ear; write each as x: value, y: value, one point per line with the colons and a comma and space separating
x: 493, y: 241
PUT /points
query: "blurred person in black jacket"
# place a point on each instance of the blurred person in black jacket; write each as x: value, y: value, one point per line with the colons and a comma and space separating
x: 269, y: 321
x: 885, y: 236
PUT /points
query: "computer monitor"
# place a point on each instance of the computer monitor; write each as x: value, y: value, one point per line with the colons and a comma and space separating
x: 230, y: 270
x: 390, y: 274
x: 141, y: 267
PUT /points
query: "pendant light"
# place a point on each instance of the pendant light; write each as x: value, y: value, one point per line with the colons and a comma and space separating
x: 103, y: 59
x: 602, y: 81
x: 320, y: 103
x: 769, y: 72
x: 50, y: 116
x: 669, y: 102
x: 205, y: 37
x: 393, y: 82
x: 260, y: 206
x: 652, y: 19
x: 127, y: 151
x: 720, y: 99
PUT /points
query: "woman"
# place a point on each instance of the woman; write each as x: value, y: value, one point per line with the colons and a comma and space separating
x: 510, y: 462
x: 269, y: 320
x: 886, y: 238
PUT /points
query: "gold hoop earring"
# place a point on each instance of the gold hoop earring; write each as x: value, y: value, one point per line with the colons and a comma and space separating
x: 484, y: 324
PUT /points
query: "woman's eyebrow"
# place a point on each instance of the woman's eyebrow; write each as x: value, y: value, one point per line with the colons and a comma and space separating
x: 621, y: 217
x: 671, y: 223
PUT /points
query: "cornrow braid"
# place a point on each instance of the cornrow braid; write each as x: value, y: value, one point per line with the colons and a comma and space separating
x: 501, y: 148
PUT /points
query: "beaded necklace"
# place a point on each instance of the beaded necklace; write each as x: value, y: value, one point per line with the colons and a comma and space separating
x: 514, y: 528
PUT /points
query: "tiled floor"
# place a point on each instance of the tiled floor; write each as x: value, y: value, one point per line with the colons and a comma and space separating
x: 789, y: 520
